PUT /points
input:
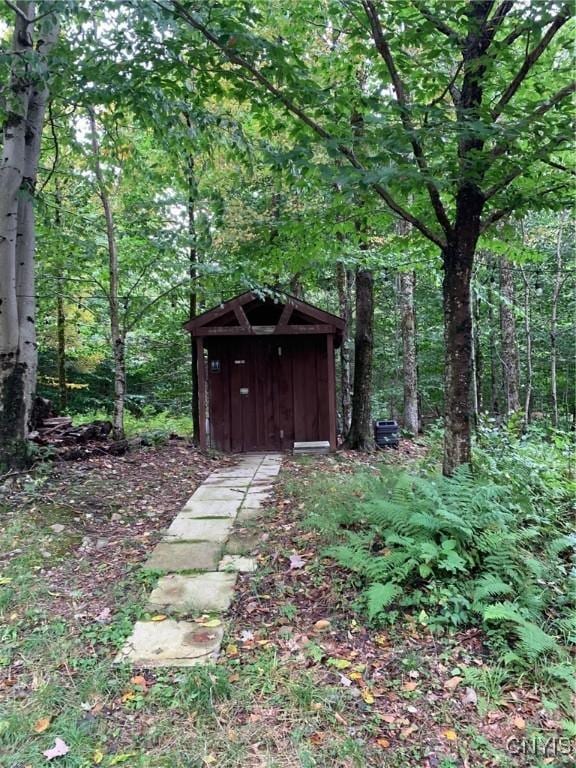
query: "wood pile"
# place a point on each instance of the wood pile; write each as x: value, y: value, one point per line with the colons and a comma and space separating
x: 67, y: 441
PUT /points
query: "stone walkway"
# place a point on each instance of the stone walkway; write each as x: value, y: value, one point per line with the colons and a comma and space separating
x: 200, y: 555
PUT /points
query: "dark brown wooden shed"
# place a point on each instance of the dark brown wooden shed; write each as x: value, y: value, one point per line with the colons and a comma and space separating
x: 266, y: 373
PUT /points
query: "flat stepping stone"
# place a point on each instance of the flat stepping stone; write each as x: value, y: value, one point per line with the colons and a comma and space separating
x: 238, y: 563
x: 185, y: 556
x: 171, y: 643
x: 198, y: 529
x: 207, y: 509
x: 239, y: 472
x: 250, y: 513
x: 255, y: 500
x: 241, y: 543
x: 216, y: 493
x: 227, y: 482
x: 201, y: 593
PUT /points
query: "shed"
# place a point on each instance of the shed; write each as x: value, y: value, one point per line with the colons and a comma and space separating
x: 266, y: 374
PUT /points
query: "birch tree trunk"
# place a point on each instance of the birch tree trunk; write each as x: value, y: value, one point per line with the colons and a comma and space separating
x: 554, y: 325
x: 406, y: 281
x: 26, y: 98
x: 345, y: 279
x: 510, y: 362
x: 117, y: 332
x: 193, y: 296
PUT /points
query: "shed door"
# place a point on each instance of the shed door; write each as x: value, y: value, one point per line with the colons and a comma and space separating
x: 254, y: 395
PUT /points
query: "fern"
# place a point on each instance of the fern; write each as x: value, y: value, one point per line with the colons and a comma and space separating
x: 379, y: 596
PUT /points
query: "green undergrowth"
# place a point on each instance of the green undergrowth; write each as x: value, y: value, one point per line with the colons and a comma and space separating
x: 491, y: 547
x: 149, y: 422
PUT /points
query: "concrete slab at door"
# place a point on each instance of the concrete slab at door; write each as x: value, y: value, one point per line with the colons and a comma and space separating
x: 191, y: 556
x: 171, y: 644
x: 198, y: 593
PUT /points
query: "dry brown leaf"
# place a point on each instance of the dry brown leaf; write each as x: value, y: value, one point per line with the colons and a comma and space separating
x: 321, y: 625
x: 384, y: 743
x: 453, y: 683
x: 140, y: 681
x: 519, y: 723
x: 410, y: 686
x: 388, y: 718
x: 406, y: 732
x: 42, y: 725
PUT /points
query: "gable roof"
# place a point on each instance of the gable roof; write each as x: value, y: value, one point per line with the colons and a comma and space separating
x: 231, y: 317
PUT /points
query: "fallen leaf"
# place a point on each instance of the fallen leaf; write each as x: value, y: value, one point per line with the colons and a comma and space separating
x: 340, y: 719
x: 450, y: 734
x: 384, y: 743
x: 140, y: 681
x: 59, y: 749
x: 296, y: 562
x: 453, y: 683
x: 339, y: 663
x: 159, y: 617
x: 232, y: 650
x: 210, y: 623
x: 104, y: 616
x: 406, y: 732
x: 470, y: 697
x: 122, y: 758
x: 321, y: 625
x: 367, y: 696
x: 410, y: 686
x: 355, y: 675
x: 97, y: 757
x: 519, y: 723
x: 42, y: 725
x: 388, y: 718
x: 128, y: 696
x: 317, y: 737
x: 209, y: 759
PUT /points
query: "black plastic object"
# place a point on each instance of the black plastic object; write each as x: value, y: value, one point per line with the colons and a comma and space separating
x: 386, y: 434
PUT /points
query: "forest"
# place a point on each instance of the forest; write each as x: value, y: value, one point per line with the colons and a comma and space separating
x: 402, y: 164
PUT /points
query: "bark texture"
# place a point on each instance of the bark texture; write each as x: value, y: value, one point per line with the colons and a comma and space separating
x: 554, y: 327
x: 117, y: 332
x: 345, y: 281
x: 406, y: 282
x: 510, y: 360
x: 193, y: 296
x: 360, y: 436
x: 27, y: 97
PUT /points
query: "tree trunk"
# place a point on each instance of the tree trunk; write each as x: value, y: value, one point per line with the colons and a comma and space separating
x: 554, y: 325
x: 117, y: 334
x: 510, y: 362
x: 406, y: 281
x: 344, y: 279
x: 61, y: 333
x: 528, y: 335
x: 458, y: 356
x: 193, y: 297
x: 26, y: 97
x: 360, y: 436
x: 478, y: 358
x: 475, y: 402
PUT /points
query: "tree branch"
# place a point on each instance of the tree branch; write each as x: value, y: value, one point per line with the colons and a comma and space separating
x: 235, y: 58
x: 529, y: 61
x: 540, y: 110
x: 501, y: 213
x: 440, y: 25
x: 559, y: 166
x: 384, y: 50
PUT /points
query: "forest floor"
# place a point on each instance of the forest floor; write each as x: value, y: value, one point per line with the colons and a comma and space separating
x: 302, y: 681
